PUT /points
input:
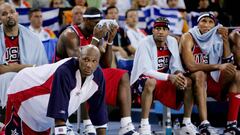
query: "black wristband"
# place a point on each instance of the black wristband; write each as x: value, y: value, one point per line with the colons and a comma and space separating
x: 229, y: 59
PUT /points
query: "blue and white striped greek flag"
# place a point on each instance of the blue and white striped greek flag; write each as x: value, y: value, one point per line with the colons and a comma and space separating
x: 173, y: 15
x: 192, y: 18
x: 50, y: 17
x: 149, y: 14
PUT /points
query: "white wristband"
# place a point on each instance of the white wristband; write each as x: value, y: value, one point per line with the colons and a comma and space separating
x: 110, y: 43
x: 157, y: 75
x: 96, y: 39
x: 62, y: 130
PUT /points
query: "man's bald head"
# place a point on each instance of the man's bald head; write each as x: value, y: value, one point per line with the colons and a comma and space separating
x: 6, y: 4
x: 77, y: 14
x: 90, y: 49
x: 8, y: 15
x: 88, y: 60
x: 76, y: 8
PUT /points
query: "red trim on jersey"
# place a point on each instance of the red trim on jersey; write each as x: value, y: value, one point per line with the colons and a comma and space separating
x: 83, y: 40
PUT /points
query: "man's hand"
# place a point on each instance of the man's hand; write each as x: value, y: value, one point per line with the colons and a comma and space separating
x: 223, y: 31
x: 112, y: 32
x: 229, y: 70
x: 100, y: 31
x: 178, y: 80
x: 122, y: 52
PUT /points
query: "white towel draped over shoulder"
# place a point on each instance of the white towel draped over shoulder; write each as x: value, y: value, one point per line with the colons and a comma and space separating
x: 31, y: 51
x: 211, y: 44
x: 146, y: 57
x: 31, y: 48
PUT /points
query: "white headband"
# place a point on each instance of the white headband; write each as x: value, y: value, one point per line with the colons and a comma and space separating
x: 206, y: 15
x: 92, y: 16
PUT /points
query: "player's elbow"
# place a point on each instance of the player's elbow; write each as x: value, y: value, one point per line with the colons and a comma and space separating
x: 191, y: 67
x: 1, y: 70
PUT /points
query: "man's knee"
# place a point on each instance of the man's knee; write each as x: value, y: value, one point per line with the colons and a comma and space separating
x: 124, y: 79
x: 199, y: 77
x: 237, y: 76
x: 150, y: 85
x: 189, y: 82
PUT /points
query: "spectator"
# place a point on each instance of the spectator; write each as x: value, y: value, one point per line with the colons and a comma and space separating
x: 40, y: 3
x: 59, y: 4
x: 182, y: 25
x: 77, y: 14
x: 180, y: 4
x: 64, y: 13
x: 207, y: 6
x: 81, y: 3
x: 46, y: 35
x: 20, y: 3
x: 208, y: 58
x: 54, y: 92
x: 138, y: 4
x: 77, y: 17
x: 134, y: 34
x: 120, y: 41
x: 122, y: 5
x: 117, y: 81
x: 109, y: 3
x: 157, y: 69
x: 56, y: 4
x: 36, y: 22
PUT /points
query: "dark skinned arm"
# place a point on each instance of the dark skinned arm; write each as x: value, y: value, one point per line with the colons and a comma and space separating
x: 13, y: 67
x: 223, y: 31
x: 68, y: 43
x: 106, y: 58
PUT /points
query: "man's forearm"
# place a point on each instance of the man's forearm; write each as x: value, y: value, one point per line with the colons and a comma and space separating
x: 131, y: 49
x: 203, y: 67
x: 226, y: 49
x: 12, y: 68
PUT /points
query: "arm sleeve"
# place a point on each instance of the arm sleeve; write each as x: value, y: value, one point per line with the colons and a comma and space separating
x: 157, y: 75
x: 97, y: 106
x: 60, y: 96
